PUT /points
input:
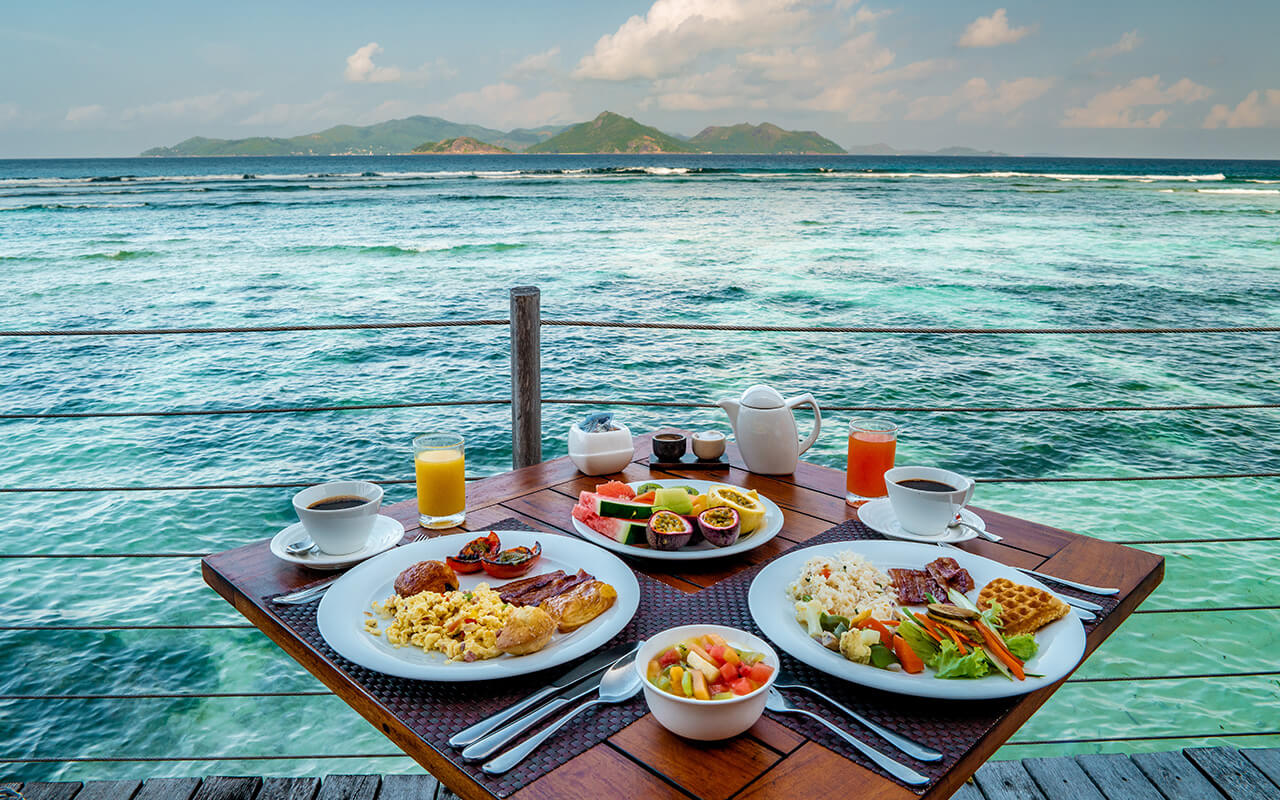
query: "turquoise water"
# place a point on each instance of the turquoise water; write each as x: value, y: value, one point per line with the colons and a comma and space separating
x: 805, y: 241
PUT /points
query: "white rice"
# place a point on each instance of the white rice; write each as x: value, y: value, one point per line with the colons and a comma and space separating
x: 854, y: 585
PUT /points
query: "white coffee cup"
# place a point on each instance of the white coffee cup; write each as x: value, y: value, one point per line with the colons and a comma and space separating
x: 927, y: 511
x: 343, y: 530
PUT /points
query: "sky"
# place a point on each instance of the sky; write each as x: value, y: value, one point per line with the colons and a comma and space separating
x: 1154, y: 78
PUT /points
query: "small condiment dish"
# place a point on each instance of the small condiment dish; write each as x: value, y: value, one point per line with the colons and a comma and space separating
x: 705, y: 720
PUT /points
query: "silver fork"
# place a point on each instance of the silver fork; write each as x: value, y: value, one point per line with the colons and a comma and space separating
x: 305, y: 595
x: 919, y: 751
x: 778, y: 703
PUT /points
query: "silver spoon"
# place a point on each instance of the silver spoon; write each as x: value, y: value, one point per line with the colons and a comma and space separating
x: 919, y: 751
x: 301, y: 547
x: 990, y: 537
x: 620, y: 682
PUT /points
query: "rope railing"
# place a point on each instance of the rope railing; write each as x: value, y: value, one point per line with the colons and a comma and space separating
x: 667, y: 326
x: 393, y: 481
x: 605, y: 402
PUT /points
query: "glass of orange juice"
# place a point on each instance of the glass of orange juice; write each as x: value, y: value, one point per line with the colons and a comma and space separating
x: 439, y: 465
x: 872, y: 443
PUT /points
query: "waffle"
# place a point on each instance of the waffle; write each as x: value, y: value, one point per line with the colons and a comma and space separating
x: 1022, y: 608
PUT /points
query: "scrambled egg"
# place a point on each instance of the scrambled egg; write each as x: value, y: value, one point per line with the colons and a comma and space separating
x: 462, y: 625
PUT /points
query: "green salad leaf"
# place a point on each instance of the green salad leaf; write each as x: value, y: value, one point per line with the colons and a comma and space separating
x: 1023, y: 645
x: 949, y: 663
x: 919, y: 641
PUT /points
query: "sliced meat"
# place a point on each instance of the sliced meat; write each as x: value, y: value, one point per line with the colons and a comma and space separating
x: 536, y: 596
x: 510, y: 591
x: 915, y: 585
x: 949, y: 573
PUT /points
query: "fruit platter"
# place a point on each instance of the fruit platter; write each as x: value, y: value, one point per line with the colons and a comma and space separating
x: 676, y: 519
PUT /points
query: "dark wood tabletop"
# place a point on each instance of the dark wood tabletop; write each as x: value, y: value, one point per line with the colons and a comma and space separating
x: 643, y: 759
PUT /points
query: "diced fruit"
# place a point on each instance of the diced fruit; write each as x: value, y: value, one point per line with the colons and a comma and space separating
x: 729, y: 673
x: 646, y: 498
x: 616, y: 489
x: 694, y: 647
x: 700, y: 687
x: 607, y: 506
x: 668, y: 531
x: 716, y: 638
x: 717, y: 654
x: 760, y: 673
x: 742, y: 686
x: 624, y: 531
x: 722, y: 696
x: 686, y: 683
x: 670, y: 657
x: 704, y: 667
x: 673, y: 498
x: 676, y: 675
x: 651, y: 672
x: 731, y: 656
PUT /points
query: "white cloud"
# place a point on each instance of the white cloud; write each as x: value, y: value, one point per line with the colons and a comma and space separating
x: 992, y: 31
x: 81, y: 114
x: 1257, y: 110
x: 1117, y: 108
x: 533, y: 65
x: 1126, y: 44
x: 201, y: 107
x: 503, y: 105
x: 361, y: 69
x: 976, y: 101
x: 674, y: 33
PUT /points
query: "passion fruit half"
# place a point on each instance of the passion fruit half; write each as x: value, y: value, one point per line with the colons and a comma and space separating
x: 668, y: 530
x: 720, y: 525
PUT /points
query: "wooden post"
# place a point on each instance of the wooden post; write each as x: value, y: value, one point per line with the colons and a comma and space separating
x: 526, y: 376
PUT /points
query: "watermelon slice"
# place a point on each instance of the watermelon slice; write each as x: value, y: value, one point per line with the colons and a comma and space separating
x: 620, y: 530
x: 616, y: 489
x: 614, y: 507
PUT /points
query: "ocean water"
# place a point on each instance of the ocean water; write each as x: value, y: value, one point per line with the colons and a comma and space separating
x: 138, y: 243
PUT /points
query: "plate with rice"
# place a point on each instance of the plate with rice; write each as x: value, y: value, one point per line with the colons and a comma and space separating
x: 851, y: 577
x: 362, y: 619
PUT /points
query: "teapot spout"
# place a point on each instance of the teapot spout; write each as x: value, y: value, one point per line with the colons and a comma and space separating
x: 731, y: 408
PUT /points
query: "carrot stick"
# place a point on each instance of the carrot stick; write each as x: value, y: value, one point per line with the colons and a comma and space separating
x: 996, y: 646
x: 955, y: 637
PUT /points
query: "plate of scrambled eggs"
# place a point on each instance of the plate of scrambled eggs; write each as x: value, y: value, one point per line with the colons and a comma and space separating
x: 452, y: 635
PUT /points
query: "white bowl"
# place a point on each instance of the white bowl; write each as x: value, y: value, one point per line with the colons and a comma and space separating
x: 706, y: 720
x: 601, y: 453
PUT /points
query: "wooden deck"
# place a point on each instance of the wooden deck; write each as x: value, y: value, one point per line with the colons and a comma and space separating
x: 1205, y: 773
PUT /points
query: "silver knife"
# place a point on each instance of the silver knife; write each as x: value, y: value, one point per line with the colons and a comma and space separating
x: 501, y: 738
x: 597, y: 663
x: 307, y: 594
x: 1084, y: 587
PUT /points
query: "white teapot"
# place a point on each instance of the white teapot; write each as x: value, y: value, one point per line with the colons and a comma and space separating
x: 765, y: 429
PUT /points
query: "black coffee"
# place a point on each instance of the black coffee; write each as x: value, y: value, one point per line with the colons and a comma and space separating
x: 926, y: 486
x: 335, y: 503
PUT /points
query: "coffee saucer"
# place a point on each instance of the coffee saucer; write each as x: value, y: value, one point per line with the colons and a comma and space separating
x: 386, y: 534
x: 878, y: 516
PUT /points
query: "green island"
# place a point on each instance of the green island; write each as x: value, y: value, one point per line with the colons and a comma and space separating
x: 607, y: 133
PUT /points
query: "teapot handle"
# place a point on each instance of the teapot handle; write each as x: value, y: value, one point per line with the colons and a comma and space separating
x: 807, y: 400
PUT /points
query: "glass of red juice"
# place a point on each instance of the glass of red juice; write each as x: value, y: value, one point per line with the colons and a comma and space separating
x: 872, y: 443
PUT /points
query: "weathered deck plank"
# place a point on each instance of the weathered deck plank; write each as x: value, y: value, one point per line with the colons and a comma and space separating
x: 409, y: 787
x: 350, y: 787
x: 1061, y: 779
x: 109, y: 790
x: 50, y: 791
x: 1231, y: 772
x: 1118, y: 777
x: 967, y: 791
x: 1006, y: 780
x: 288, y: 789
x: 1267, y: 760
x: 1177, y: 778
x: 226, y: 788
x: 167, y: 789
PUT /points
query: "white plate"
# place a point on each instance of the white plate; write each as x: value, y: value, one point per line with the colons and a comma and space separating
x: 341, y: 613
x: 1061, y: 642
x: 386, y: 533
x: 878, y: 516
x: 694, y: 552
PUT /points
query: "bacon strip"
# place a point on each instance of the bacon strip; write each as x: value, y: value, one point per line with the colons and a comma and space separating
x: 947, y: 572
x: 532, y: 591
x: 514, y: 589
x: 915, y: 585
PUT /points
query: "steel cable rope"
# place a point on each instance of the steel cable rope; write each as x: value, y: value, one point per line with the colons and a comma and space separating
x: 672, y: 326
x: 608, y: 402
x: 303, y: 484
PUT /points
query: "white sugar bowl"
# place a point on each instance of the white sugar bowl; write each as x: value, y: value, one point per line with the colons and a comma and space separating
x: 600, y: 446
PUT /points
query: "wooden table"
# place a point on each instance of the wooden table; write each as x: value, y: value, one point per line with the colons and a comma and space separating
x: 643, y: 759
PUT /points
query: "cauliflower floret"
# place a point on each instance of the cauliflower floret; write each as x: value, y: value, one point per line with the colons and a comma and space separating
x: 855, y: 645
x: 809, y: 614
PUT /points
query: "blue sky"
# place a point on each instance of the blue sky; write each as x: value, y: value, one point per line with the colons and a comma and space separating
x: 1086, y: 78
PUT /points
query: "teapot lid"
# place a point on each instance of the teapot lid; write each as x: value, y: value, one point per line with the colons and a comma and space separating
x: 761, y: 396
